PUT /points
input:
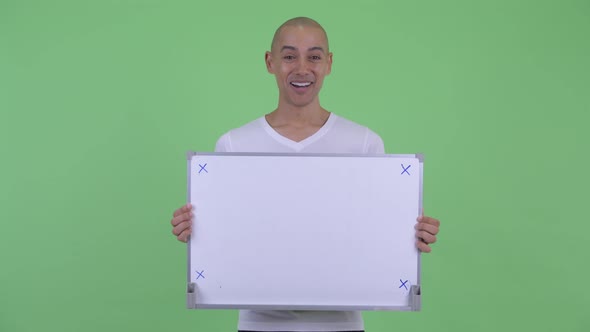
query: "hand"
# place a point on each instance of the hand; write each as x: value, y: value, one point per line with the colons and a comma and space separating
x: 182, y: 222
x: 426, y: 230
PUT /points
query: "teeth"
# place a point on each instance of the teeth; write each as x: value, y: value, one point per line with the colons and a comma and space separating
x: 298, y: 84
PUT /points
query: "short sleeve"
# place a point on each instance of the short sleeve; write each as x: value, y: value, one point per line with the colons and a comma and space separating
x: 223, y: 144
x: 374, y: 143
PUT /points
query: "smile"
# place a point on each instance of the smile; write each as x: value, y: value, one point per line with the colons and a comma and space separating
x: 301, y: 84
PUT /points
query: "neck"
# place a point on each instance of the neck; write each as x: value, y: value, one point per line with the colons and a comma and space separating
x: 312, y: 114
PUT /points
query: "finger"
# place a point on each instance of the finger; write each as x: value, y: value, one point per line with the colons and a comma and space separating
x: 423, y: 247
x: 421, y: 215
x: 177, y: 230
x: 183, y: 209
x: 428, y: 220
x: 426, y: 227
x: 182, y: 218
x: 427, y: 237
x: 185, y: 235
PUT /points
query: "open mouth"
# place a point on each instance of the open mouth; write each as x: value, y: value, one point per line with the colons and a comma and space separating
x: 301, y: 84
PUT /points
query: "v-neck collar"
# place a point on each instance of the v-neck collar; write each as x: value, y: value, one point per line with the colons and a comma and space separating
x: 298, y: 146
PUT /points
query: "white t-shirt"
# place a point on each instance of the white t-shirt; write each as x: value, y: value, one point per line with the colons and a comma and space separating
x: 337, y: 135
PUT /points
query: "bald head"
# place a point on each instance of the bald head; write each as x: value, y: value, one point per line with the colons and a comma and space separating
x: 298, y: 22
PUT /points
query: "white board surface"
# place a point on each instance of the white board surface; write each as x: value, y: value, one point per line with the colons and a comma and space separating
x: 303, y: 232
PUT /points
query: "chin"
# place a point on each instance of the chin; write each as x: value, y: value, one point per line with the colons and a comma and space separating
x: 301, y: 102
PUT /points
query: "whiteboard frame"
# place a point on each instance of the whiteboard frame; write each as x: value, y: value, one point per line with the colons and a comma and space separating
x: 415, y: 298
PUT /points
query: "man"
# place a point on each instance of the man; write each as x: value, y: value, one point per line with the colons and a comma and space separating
x: 300, y: 59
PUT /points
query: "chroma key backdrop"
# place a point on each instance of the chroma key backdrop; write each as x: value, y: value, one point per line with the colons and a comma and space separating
x: 101, y: 100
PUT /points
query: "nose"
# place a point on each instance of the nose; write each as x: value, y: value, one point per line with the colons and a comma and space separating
x: 302, y: 65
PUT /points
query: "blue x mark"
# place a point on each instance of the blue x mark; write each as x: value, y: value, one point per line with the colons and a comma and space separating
x: 403, y: 284
x: 406, y: 169
x: 203, y: 168
x: 200, y: 274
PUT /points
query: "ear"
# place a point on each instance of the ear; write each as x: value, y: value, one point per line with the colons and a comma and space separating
x: 329, y: 63
x: 268, y: 61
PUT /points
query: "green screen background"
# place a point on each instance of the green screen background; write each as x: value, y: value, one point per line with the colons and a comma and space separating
x: 100, y: 100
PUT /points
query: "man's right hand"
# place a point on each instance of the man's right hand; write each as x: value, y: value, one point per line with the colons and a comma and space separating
x: 182, y: 222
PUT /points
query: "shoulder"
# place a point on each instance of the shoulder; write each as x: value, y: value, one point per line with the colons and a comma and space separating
x: 248, y: 132
x: 350, y: 127
x: 350, y: 130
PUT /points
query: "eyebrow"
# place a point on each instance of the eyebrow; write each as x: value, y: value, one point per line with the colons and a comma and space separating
x: 293, y: 48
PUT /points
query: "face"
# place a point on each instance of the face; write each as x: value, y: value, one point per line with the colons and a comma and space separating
x: 299, y: 60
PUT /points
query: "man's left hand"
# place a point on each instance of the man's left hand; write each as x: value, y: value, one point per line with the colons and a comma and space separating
x: 426, y: 230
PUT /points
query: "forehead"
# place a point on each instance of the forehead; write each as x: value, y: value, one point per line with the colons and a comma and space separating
x: 301, y: 37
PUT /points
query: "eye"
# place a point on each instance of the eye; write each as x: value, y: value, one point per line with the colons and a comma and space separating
x: 315, y: 57
x: 289, y: 57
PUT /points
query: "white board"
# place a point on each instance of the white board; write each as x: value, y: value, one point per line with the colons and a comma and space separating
x: 304, y: 232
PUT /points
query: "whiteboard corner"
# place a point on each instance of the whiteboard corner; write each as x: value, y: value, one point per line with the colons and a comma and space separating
x: 415, y: 298
x: 191, y: 296
x: 190, y: 154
